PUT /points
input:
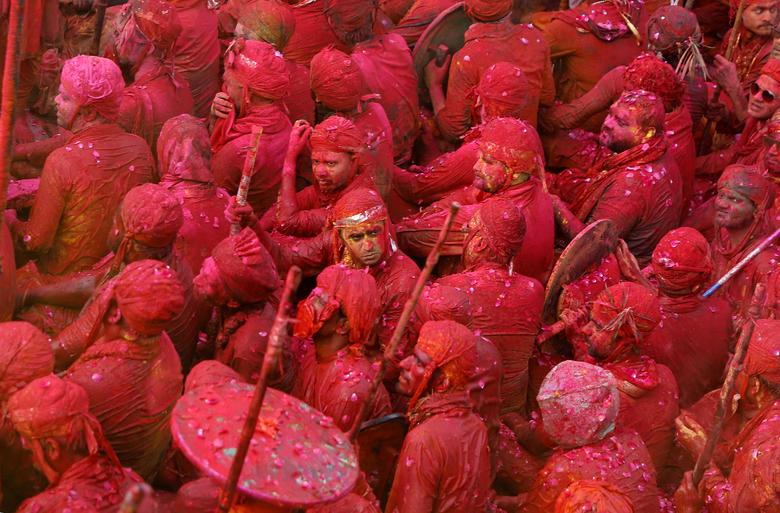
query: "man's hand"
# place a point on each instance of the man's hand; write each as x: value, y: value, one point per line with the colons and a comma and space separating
x: 242, y: 215
x: 690, y: 434
x: 435, y: 75
x: 299, y: 136
x: 716, y: 112
x: 724, y: 73
x: 222, y: 106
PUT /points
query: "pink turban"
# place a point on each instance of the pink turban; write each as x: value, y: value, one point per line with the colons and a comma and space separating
x: 149, y: 296
x: 258, y: 67
x: 337, y: 80
x: 488, y: 10
x: 515, y: 143
x: 271, y: 21
x: 94, y: 82
x: 579, y: 403
x: 246, y: 268
x: 503, y: 90
x: 25, y: 354
x: 681, y: 261
x: 503, y: 226
x: 337, y: 134
x: 159, y: 21
x: 763, y: 354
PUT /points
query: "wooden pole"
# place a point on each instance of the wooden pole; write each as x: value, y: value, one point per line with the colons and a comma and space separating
x: 742, y: 263
x: 406, y: 314
x: 272, y: 352
x: 13, y: 52
x: 100, y: 19
x: 247, y: 172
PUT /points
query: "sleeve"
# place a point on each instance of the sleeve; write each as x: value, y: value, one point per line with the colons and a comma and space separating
x: 714, y: 163
x: 72, y: 341
x: 551, y: 480
x: 48, y: 208
x: 446, y: 173
x: 561, y: 36
x: 311, y: 255
x: 415, y: 486
x: 547, y: 96
x: 455, y: 118
x: 621, y: 204
x: 607, y: 90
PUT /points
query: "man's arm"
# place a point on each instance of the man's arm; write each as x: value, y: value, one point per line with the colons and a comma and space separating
x: 415, y: 486
x: 39, y: 232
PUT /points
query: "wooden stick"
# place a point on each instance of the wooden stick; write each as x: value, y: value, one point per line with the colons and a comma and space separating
x: 272, y: 352
x: 134, y: 497
x: 100, y: 19
x: 406, y: 314
x: 727, y: 390
x: 13, y: 51
x: 247, y: 172
x: 742, y: 263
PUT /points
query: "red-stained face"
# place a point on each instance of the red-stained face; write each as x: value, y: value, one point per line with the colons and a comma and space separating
x: 764, y: 97
x: 67, y: 108
x: 412, y: 371
x: 208, y: 284
x: 733, y: 210
x: 622, y: 129
x: 772, y: 154
x: 332, y: 170
x: 490, y: 175
x: 367, y: 243
x: 760, y: 17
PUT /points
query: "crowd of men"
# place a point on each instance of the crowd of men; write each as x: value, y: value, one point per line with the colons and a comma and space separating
x: 633, y: 141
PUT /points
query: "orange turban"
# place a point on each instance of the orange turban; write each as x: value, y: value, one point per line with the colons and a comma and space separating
x: 151, y: 215
x: 209, y: 373
x: 351, y: 20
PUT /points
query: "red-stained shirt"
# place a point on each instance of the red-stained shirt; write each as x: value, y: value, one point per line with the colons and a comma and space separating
x: 132, y: 388
x: 444, y: 464
x: 487, y: 44
x: 82, y: 185
x: 312, y: 32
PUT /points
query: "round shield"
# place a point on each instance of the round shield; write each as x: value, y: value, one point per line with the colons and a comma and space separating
x: 380, y: 442
x: 587, y: 249
x: 297, y: 457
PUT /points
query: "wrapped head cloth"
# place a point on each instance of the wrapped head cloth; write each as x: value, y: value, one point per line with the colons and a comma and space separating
x: 245, y: 267
x: 682, y: 261
x: 94, y: 82
x: 25, y: 354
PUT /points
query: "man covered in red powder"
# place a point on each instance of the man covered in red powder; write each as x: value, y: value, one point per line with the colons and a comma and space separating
x: 752, y: 483
x: 417, y: 18
x: 338, y: 85
x: 52, y: 416
x: 386, y: 63
x: 145, y: 50
x: 510, y: 166
x: 238, y: 278
x: 588, y: 41
x: 132, y: 373
x: 579, y: 405
x: 84, y: 181
x: 312, y: 31
x: 635, y: 182
x: 340, y: 315
x: 184, y: 157
x: 682, y: 266
x: 444, y: 463
x: 256, y: 79
x: 491, y: 38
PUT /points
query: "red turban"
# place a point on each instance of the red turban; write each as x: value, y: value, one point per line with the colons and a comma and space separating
x: 763, y: 353
x: 593, y: 496
x: 209, y: 373
x: 199, y: 496
x: 337, y: 80
x: 356, y: 207
x: 748, y: 182
x: 503, y: 226
x: 772, y: 69
x: 515, y: 143
x: 629, y: 310
x: 650, y: 73
x: 94, y: 82
x: 151, y: 215
x: 179, y: 130
x: 159, y: 21
x: 259, y: 68
x: 336, y: 134
x: 246, y: 268
x: 579, y: 403
x: 672, y: 24
x: 354, y: 292
x: 351, y: 20
x: 681, y: 261
x: 149, y: 296
x: 488, y: 10
x: 503, y: 90
x: 25, y: 354
x: 271, y: 21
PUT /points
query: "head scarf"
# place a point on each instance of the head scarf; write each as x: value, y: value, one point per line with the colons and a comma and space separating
x: 503, y: 90
x: 487, y: 10
x: 651, y: 74
x: 579, y: 403
x: 352, y: 291
x: 351, y: 20
x: 259, y: 68
x: 51, y: 407
x: 357, y: 207
x: 628, y: 310
x: 594, y: 497
x: 158, y: 21
x: 672, y: 24
x: 175, y: 132
x: 151, y: 216
x: 337, y: 134
x: 515, y: 143
x: 94, y: 82
x: 271, y: 21
x: 772, y: 69
x: 502, y: 226
x: 763, y: 353
x: 25, y: 354
x: 149, y: 295
x: 452, y: 348
x: 336, y: 80
x: 245, y: 267
x: 607, y: 21
x: 209, y: 373
x: 681, y: 261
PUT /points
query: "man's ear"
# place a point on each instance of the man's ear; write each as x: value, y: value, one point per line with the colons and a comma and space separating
x: 114, y: 315
x: 479, y: 245
x: 343, y: 326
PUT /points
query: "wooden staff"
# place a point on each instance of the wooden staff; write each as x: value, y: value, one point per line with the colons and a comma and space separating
x: 406, y: 314
x: 247, y: 172
x: 100, y: 19
x: 272, y: 352
x: 709, y: 127
x: 134, y: 497
x: 727, y: 390
x: 13, y: 51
